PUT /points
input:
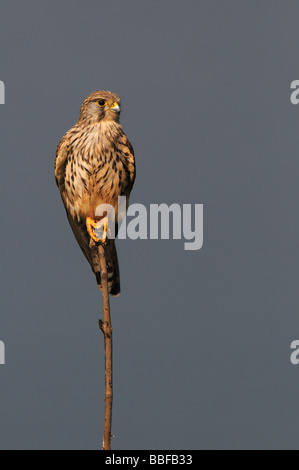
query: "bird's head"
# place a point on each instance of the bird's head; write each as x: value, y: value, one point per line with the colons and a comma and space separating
x: 100, y: 106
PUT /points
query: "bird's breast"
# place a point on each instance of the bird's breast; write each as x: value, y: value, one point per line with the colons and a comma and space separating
x: 96, y: 172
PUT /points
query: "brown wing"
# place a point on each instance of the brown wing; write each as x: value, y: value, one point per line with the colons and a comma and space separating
x: 129, y: 163
x: 79, y: 226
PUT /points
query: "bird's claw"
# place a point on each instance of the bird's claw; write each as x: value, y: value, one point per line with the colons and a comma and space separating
x: 92, y: 224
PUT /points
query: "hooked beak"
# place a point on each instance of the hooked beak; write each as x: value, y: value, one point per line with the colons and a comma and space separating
x: 115, y: 107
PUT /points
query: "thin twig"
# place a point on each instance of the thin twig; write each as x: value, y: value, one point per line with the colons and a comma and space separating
x: 106, y: 328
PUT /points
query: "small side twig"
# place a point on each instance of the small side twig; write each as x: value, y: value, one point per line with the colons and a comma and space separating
x: 106, y: 328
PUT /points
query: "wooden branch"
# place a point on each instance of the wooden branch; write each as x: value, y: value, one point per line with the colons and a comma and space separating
x: 106, y: 328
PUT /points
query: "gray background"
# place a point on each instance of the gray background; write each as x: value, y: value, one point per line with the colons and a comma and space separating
x: 201, y: 339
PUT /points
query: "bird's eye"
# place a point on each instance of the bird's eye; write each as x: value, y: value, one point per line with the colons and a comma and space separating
x: 102, y: 103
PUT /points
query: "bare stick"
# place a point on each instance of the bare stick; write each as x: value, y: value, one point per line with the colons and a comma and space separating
x: 106, y: 328
x: 100, y: 265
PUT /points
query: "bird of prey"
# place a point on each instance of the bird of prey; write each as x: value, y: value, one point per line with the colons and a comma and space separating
x: 94, y: 165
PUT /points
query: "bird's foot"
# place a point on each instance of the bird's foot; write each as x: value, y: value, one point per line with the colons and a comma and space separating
x: 100, y: 225
x: 90, y: 225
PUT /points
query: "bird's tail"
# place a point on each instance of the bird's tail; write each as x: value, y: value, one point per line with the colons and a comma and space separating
x: 112, y: 267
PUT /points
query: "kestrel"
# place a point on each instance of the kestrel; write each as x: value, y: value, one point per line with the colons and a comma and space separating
x: 94, y: 165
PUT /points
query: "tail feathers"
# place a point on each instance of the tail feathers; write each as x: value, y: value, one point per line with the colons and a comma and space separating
x: 112, y: 267
x: 91, y: 252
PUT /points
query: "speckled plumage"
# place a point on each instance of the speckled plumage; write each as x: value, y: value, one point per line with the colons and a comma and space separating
x: 95, y: 165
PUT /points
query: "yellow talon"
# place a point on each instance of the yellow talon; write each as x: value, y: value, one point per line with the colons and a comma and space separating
x: 105, y: 232
x: 90, y: 225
